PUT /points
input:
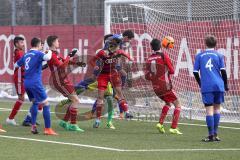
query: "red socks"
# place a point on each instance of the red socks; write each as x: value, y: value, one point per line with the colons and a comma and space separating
x: 123, y: 105
x: 15, y: 109
x: 73, y: 117
x: 99, y: 110
x: 176, y: 115
x: 163, y: 114
x: 67, y: 115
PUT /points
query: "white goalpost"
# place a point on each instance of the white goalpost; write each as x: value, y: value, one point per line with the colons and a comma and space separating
x: 188, y: 22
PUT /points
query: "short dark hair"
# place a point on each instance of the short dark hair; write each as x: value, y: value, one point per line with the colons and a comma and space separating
x: 35, y: 42
x: 128, y: 33
x: 155, y: 44
x: 210, y: 41
x: 17, y: 39
x: 107, y: 36
x: 51, y: 39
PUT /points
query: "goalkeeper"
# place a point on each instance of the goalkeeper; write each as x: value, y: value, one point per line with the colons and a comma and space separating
x: 128, y: 35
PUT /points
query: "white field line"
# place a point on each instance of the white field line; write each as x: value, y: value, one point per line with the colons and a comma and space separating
x: 186, y: 124
x: 121, y: 150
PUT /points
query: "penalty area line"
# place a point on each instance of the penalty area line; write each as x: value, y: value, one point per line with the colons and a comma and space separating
x: 122, y: 150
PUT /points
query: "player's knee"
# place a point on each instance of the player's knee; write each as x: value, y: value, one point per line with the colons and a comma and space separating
x: 99, y: 102
x: 45, y: 103
x: 75, y: 99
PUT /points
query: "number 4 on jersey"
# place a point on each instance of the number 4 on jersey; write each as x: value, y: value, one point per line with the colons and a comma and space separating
x: 209, y: 64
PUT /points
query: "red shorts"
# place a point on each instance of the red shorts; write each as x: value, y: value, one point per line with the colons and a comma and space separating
x: 113, y: 78
x: 66, y: 88
x: 167, y: 97
x: 19, y: 85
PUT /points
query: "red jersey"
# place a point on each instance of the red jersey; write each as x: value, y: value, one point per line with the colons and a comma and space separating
x: 18, y: 72
x: 158, y: 70
x: 108, y: 61
x: 60, y: 81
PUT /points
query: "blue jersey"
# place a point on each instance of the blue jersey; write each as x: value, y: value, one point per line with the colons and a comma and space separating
x: 210, y: 63
x: 32, y: 62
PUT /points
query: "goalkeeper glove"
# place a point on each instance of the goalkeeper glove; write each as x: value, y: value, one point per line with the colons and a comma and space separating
x: 74, y: 51
x: 81, y: 64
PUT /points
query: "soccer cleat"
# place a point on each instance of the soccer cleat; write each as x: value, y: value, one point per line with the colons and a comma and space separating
x: 11, y: 122
x: 26, y: 124
x: 160, y: 128
x: 175, y: 131
x: 64, y: 124
x: 2, y: 130
x: 110, y: 125
x: 96, y: 124
x: 208, y: 139
x: 74, y: 127
x: 50, y: 131
x: 128, y: 116
x: 34, y: 130
x: 216, y: 138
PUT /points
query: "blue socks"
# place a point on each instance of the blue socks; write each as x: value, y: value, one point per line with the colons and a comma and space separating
x: 94, y: 107
x: 34, y: 112
x: 47, y: 116
x: 210, y: 124
x: 216, y: 117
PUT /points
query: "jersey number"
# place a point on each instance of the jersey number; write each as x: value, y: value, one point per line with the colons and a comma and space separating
x: 27, y: 63
x: 153, y: 67
x: 209, y: 64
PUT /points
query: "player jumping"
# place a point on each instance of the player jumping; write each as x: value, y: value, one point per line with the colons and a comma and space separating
x: 158, y: 71
x: 106, y: 61
x: 32, y: 62
x: 213, y: 84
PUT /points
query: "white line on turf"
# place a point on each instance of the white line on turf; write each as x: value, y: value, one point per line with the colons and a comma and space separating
x: 186, y: 124
x: 122, y: 150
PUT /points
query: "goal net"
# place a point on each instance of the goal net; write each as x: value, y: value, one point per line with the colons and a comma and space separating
x: 188, y: 22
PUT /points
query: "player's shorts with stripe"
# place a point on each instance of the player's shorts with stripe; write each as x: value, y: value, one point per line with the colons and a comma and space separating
x: 167, y: 96
x: 36, y: 92
x: 19, y: 85
x: 104, y: 78
x: 213, y: 98
x: 66, y: 88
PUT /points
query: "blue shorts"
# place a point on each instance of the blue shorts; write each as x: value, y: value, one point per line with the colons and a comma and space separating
x: 213, y: 98
x: 36, y: 92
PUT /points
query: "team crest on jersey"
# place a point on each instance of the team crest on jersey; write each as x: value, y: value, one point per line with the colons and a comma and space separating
x: 110, y: 61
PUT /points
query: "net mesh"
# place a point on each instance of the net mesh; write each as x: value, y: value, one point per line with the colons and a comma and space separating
x: 188, y: 22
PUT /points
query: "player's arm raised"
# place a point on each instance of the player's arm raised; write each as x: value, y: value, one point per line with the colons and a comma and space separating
x: 19, y: 63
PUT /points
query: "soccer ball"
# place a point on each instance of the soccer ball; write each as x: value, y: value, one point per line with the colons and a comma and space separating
x: 167, y: 42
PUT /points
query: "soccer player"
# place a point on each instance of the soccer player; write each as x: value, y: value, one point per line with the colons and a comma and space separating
x: 62, y: 84
x: 19, y: 84
x: 32, y: 62
x: 106, y: 61
x: 158, y: 71
x: 18, y: 79
x: 209, y: 65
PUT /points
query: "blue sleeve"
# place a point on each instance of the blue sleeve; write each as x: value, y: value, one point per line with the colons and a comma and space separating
x: 20, y: 62
x: 222, y: 64
x: 40, y: 55
x: 196, y: 63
